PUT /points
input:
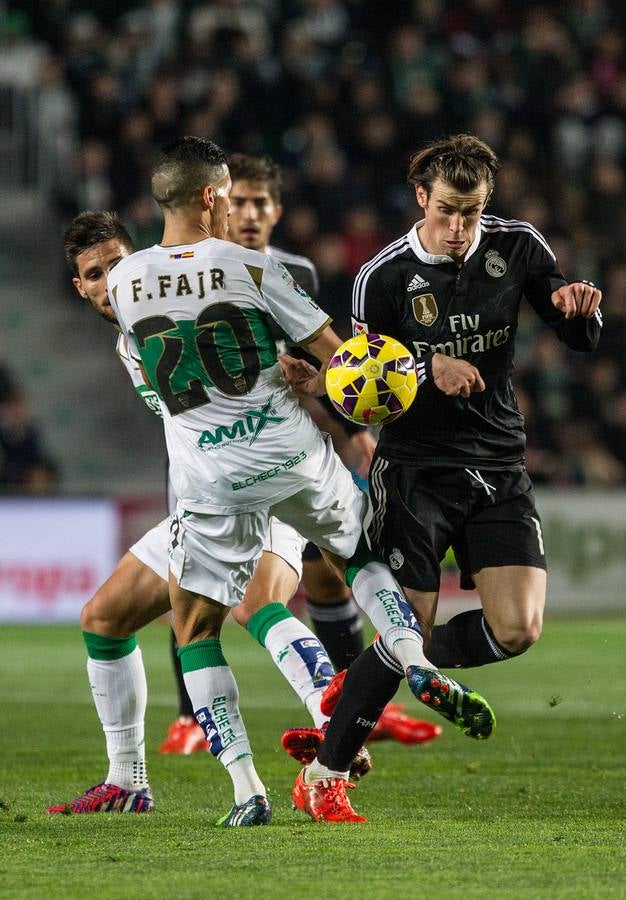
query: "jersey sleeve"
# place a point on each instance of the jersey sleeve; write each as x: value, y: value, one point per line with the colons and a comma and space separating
x: 290, y: 306
x: 372, y: 304
x: 374, y: 311
x: 150, y: 397
x: 543, y: 278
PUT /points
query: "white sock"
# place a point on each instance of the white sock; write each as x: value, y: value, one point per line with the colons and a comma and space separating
x: 215, y: 699
x: 317, y: 772
x: 408, y: 648
x: 303, y: 661
x: 245, y: 779
x: 380, y: 596
x: 120, y: 694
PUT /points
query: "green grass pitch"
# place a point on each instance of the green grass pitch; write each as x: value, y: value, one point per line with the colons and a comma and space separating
x: 535, y: 812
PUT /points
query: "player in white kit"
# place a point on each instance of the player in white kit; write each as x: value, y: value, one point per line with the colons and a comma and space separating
x: 195, y: 310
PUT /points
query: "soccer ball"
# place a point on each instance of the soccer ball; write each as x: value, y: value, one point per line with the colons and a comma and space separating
x: 371, y: 379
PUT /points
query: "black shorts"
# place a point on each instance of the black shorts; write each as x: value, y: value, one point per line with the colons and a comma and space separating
x: 487, y: 517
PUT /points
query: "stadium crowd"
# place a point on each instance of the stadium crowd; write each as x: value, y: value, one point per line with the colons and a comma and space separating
x: 340, y: 93
x: 25, y: 465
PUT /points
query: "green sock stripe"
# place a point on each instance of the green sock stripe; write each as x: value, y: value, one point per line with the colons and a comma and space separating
x: 100, y: 647
x: 201, y: 655
x: 361, y: 558
x: 264, y: 619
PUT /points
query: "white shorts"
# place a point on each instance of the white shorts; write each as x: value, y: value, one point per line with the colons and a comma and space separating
x: 151, y: 549
x: 280, y: 539
x: 215, y: 555
x: 329, y: 510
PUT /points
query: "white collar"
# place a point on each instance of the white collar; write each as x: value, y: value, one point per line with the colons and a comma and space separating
x: 435, y: 258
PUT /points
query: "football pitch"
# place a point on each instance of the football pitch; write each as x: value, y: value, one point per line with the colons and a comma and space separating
x: 537, y: 811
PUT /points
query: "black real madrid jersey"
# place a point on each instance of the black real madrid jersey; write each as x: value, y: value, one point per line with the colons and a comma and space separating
x: 470, y: 312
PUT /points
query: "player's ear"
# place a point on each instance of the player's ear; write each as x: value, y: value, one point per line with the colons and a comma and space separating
x: 207, y: 196
x: 278, y: 212
x: 79, y: 287
x: 421, y: 195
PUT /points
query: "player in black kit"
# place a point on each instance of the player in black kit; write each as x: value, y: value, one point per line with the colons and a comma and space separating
x: 450, y: 472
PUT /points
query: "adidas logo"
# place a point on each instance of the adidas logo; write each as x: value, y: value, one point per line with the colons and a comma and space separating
x: 417, y: 284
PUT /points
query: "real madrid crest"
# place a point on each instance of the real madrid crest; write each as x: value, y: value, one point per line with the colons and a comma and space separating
x: 425, y: 309
x: 494, y: 264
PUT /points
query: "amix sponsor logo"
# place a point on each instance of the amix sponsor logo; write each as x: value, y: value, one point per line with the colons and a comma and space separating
x: 247, y: 428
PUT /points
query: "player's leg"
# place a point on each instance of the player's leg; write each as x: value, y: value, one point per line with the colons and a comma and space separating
x: 211, y: 560
x: 330, y: 509
x: 335, y: 615
x: 513, y: 599
x: 184, y: 735
x: 133, y: 596
x: 501, y: 553
x: 294, y: 648
x: 332, y: 522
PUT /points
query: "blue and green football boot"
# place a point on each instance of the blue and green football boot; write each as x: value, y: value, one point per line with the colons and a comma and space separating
x: 255, y: 811
x: 466, y: 709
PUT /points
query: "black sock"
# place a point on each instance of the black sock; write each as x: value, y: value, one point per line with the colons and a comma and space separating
x: 465, y: 641
x: 339, y: 629
x: 184, y: 703
x: 369, y: 686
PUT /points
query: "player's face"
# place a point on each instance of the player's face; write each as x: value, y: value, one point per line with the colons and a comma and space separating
x: 450, y: 218
x: 93, y: 267
x: 253, y: 214
x: 220, y: 210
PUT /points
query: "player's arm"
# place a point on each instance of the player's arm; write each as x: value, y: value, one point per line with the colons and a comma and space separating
x: 304, y: 323
x: 305, y: 379
x: 373, y: 310
x: 571, y: 310
x: 138, y: 377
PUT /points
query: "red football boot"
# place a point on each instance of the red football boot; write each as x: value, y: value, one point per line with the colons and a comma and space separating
x: 325, y: 801
x: 395, y: 725
x: 330, y: 697
x: 303, y: 744
x: 184, y: 736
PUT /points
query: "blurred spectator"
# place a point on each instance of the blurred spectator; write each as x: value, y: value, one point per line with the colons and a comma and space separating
x: 341, y: 93
x: 583, y: 459
x: 24, y: 464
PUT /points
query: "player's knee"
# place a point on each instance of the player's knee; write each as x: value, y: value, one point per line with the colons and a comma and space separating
x: 241, y: 614
x: 517, y: 637
x: 97, y: 617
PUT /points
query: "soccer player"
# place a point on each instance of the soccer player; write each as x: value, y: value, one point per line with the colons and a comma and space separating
x: 450, y: 472
x: 137, y: 592
x: 196, y: 312
x: 256, y: 207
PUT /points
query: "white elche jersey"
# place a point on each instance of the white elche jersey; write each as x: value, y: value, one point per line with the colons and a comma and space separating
x: 197, y: 318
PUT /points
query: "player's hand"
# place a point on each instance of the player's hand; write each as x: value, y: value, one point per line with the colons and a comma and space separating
x: 582, y: 298
x: 359, y: 452
x: 302, y: 376
x: 456, y: 377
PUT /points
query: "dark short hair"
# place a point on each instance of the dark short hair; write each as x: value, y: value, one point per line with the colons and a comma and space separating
x: 461, y: 160
x: 91, y: 228
x: 257, y: 168
x: 184, y: 167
